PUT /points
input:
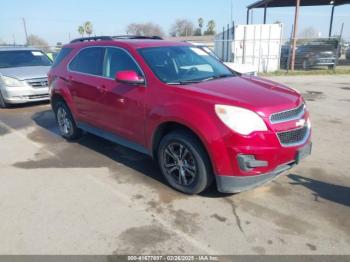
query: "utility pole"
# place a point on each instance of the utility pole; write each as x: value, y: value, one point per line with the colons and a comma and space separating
x: 295, y: 31
x: 25, y: 29
x: 14, y: 39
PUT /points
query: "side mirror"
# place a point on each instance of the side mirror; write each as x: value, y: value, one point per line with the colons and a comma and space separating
x: 129, y: 77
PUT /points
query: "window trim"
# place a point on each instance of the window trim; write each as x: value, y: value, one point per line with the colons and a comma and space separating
x: 103, y: 62
x: 62, y: 60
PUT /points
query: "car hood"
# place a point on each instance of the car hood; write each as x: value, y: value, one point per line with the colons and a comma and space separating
x: 254, y: 93
x: 241, y: 68
x: 27, y: 72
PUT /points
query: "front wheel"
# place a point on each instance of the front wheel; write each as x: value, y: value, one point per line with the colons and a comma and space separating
x: 184, y: 162
x: 65, y: 121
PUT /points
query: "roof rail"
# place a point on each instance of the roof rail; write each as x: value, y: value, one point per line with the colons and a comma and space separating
x: 93, y: 38
x: 137, y: 37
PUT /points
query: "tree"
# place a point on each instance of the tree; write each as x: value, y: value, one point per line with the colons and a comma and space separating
x: 308, y: 32
x: 36, y: 41
x: 88, y: 28
x: 182, y: 27
x: 210, y: 28
x: 81, y: 30
x: 197, y: 32
x: 146, y: 29
x: 200, y: 24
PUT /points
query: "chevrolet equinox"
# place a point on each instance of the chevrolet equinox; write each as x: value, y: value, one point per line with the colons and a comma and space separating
x: 197, y: 118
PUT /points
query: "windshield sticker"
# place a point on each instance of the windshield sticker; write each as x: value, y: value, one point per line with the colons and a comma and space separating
x: 37, y: 53
x: 199, y: 51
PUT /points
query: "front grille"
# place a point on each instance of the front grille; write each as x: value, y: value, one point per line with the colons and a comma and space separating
x: 293, y: 137
x: 38, y: 82
x: 288, y: 115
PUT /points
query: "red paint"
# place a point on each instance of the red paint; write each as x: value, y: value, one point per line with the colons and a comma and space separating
x: 136, y: 111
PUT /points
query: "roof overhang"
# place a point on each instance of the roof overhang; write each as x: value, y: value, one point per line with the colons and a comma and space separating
x: 291, y: 3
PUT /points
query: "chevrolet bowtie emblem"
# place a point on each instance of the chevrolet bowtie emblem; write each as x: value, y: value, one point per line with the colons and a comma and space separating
x: 300, y: 123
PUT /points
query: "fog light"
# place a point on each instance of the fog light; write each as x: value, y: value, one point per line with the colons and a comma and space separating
x: 248, y: 162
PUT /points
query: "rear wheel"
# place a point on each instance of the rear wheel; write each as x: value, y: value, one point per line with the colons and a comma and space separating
x: 3, y: 104
x: 65, y: 121
x: 184, y: 163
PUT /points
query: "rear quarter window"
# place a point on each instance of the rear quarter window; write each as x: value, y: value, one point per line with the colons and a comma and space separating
x: 61, y: 55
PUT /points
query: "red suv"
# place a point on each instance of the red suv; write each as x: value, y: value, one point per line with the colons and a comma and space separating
x: 179, y: 105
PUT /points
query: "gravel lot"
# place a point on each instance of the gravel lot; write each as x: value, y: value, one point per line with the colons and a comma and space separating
x: 95, y: 197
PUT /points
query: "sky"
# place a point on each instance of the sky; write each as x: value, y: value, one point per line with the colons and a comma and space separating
x: 58, y: 20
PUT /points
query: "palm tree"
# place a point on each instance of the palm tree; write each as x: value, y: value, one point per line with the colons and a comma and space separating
x: 88, y: 28
x: 211, y: 27
x: 81, y: 30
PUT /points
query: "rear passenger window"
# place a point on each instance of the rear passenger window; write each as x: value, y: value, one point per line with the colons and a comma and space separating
x: 119, y: 60
x: 61, y: 55
x: 89, y: 61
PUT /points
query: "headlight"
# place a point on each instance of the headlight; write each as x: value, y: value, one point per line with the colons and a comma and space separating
x: 240, y: 120
x: 9, y: 81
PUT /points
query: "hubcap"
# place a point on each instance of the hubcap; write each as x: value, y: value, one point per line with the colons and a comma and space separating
x: 179, y: 164
x: 64, y: 123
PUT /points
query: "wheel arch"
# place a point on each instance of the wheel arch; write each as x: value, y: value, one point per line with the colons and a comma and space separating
x: 166, y: 127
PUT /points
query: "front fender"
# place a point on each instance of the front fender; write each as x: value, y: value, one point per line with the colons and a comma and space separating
x: 202, y: 121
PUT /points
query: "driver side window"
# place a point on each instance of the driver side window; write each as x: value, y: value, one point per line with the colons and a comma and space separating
x: 117, y: 60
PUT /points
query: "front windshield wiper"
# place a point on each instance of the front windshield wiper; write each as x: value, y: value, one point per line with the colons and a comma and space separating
x: 184, y: 82
x: 217, y: 77
x: 194, y: 81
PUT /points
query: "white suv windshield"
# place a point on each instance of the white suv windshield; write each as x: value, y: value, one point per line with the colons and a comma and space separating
x: 183, y: 64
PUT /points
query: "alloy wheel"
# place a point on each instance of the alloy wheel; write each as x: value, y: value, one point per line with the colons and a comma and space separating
x: 64, y: 122
x: 179, y: 163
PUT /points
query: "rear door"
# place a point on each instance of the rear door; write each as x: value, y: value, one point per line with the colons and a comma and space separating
x: 84, y: 76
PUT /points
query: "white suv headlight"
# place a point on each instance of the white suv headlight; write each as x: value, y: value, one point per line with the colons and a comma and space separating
x: 240, y: 120
x: 11, y: 82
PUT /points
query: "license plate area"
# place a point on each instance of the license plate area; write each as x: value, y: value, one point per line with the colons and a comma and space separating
x: 303, y: 152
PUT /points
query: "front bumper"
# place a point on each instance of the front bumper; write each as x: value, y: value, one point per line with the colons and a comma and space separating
x: 236, y: 184
x: 24, y: 94
x: 324, y: 62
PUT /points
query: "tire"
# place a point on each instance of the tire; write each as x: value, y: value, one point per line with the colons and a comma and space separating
x: 184, y: 162
x: 3, y: 104
x: 331, y: 67
x: 67, y: 126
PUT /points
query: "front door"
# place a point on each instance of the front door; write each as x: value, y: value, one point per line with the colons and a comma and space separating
x: 123, y: 105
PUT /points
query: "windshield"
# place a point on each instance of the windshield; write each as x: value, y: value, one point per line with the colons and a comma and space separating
x: 21, y: 58
x: 183, y: 64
